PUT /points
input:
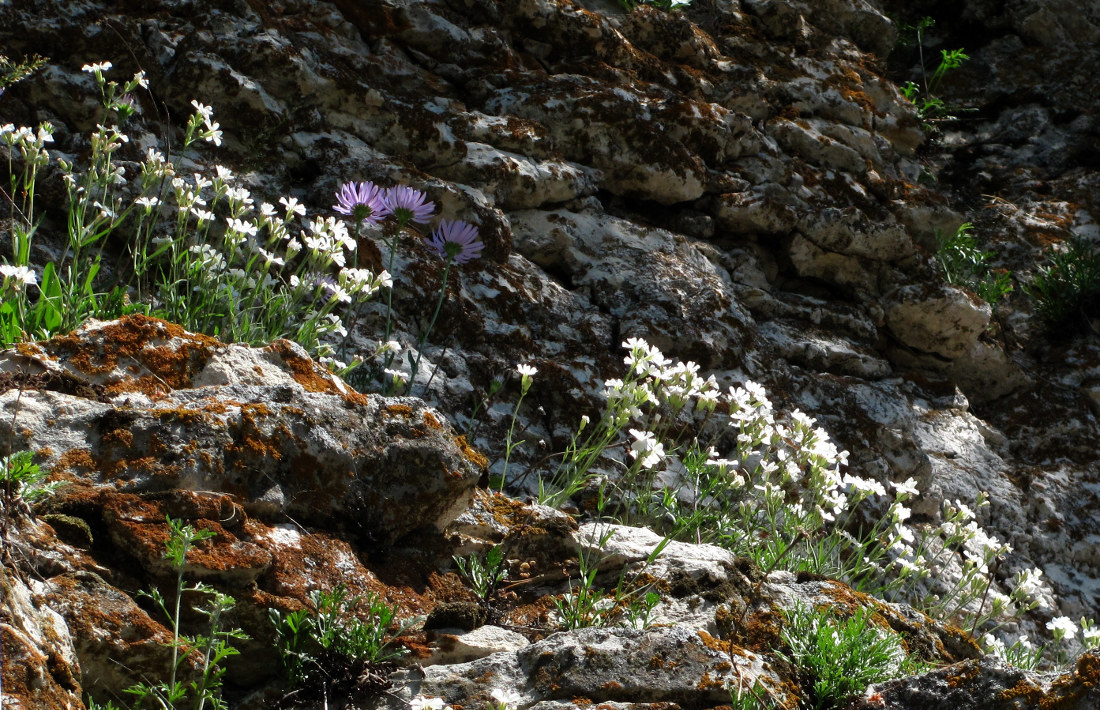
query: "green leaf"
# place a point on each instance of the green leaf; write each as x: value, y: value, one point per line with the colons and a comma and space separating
x: 46, y: 314
x: 10, y: 330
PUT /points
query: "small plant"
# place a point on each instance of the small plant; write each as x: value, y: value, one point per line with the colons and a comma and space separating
x: 1021, y: 653
x: 929, y: 106
x: 841, y: 657
x: 964, y: 264
x: 484, y: 576
x: 326, y: 647
x: 203, y: 253
x: 210, y: 650
x: 12, y: 71
x: 754, y: 697
x: 22, y: 478
x: 526, y: 377
x: 1067, y: 290
x: 586, y: 605
x: 395, y: 210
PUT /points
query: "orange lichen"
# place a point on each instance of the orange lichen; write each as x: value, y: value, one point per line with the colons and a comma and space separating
x: 130, y: 338
x: 1024, y: 689
x: 431, y: 421
x: 472, y: 455
x: 1070, y: 688
x: 311, y: 376
x: 403, y: 410
x: 122, y: 437
x: 714, y: 644
x: 183, y: 415
x: 75, y: 458
x: 966, y: 673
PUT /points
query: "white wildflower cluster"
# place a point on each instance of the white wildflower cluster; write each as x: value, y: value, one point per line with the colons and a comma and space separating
x: 247, y: 256
x: 29, y: 141
x: 726, y: 467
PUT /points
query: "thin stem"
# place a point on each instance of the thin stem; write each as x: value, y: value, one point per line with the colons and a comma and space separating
x: 508, y: 445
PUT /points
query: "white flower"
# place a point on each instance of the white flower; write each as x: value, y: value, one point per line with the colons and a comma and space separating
x: 864, y: 485
x: 241, y: 227
x: 907, y: 488
x: 203, y: 110
x: 269, y: 258
x: 292, y: 206
x: 239, y: 194
x: 422, y: 703
x: 506, y: 698
x: 224, y: 173
x: 962, y: 511
x: 646, y: 448
x: 147, y: 202
x: 1063, y: 627
x: 21, y: 274
x: 526, y: 376
x: 1029, y: 583
x: 899, y: 513
x: 140, y: 80
x: 213, y: 134
x: 97, y: 68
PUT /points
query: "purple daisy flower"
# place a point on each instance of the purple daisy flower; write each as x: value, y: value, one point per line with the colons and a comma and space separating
x: 456, y: 241
x: 408, y: 205
x: 362, y: 202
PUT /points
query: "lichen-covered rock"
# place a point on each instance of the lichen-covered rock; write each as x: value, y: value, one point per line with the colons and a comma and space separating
x: 267, y: 426
x: 41, y: 668
x: 990, y: 684
x: 660, y: 664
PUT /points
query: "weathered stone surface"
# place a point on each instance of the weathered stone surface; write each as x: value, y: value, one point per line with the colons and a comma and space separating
x: 41, y: 668
x: 989, y: 683
x: 947, y: 323
x: 738, y: 182
x: 660, y: 664
x: 275, y: 428
x: 451, y: 648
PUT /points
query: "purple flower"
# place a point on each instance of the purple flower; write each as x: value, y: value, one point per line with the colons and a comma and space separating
x: 456, y: 241
x: 362, y: 202
x: 408, y: 205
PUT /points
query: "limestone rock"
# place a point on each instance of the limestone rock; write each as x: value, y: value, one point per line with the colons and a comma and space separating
x: 947, y: 323
x: 274, y: 421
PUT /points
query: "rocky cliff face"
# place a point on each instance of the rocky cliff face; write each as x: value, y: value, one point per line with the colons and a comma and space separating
x: 738, y: 183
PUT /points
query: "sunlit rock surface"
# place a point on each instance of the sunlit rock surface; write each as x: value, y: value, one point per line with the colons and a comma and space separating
x: 740, y: 183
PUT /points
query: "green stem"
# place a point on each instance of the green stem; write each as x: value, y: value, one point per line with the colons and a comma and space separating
x: 508, y: 445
